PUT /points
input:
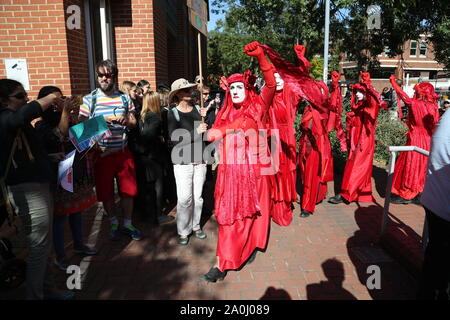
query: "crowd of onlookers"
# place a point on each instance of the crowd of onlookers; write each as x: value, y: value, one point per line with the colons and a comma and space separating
x: 135, y: 159
x: 140, y: 158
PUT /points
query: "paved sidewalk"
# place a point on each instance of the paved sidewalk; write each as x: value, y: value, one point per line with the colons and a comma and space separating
x: 325, y: 256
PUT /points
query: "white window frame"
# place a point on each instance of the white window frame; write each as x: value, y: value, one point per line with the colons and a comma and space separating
x: 420, y: 49
x: 410, y: 48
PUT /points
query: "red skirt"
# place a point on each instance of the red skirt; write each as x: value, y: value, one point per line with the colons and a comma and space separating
x: 237, y: 242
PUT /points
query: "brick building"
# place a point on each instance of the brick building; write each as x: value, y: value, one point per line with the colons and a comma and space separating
x: 61, y: 40
x: 417, y: 64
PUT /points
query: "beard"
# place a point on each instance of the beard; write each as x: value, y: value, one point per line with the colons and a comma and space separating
x: 107, y: 87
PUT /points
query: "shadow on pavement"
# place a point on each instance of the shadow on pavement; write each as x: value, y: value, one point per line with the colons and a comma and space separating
x: 364, y: 251
x: 275, y: 294
x: 331, y: 289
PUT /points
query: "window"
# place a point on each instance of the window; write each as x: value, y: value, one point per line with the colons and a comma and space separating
x: 413, y: 48
x: 423, y: 48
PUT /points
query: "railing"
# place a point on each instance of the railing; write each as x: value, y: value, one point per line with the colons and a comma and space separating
x: 393, y: 150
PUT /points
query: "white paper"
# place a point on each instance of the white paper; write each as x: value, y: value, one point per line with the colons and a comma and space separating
x: 65, y: 172
x: 17, y: 69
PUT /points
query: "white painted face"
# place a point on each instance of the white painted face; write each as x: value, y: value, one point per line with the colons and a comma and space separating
x: 359, y: 96
x: 237, y: 91
x: 280, y: 82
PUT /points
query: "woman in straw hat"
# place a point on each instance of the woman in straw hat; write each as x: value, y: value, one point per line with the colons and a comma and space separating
x: 185, y: 128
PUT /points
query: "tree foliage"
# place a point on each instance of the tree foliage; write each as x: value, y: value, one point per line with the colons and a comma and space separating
x: 282, y: 23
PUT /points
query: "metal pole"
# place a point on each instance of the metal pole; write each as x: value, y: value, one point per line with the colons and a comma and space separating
x: 387, y: 198
x: 327, y: 38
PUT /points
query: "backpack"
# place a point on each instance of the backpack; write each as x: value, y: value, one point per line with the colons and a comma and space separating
x: 94, y: 102
x: 177, y: 114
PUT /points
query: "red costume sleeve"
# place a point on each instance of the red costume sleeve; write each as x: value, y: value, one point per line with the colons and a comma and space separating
x: 372, y: 96
x: 402, y: 94
x: 219, y: 132
x: 268, y: 91
x: 304, y: 64
x: 336, y: 110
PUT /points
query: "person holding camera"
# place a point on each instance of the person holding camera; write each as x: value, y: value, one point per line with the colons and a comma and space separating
x: 26, y: 173
x: 54, y: 128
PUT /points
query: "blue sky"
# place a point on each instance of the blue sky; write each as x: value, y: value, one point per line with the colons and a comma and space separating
x: 213, y: 19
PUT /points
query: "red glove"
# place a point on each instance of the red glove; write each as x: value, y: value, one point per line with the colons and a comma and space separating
x: 335, y: 78
x: 365, y: 76
x: 299, y: 50
x: 254, y: 49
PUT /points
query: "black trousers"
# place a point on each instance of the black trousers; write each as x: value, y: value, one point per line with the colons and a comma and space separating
x: 435, y: 277
x: 150, y: 180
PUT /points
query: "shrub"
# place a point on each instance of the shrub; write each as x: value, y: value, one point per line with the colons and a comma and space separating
x: 389, y: 133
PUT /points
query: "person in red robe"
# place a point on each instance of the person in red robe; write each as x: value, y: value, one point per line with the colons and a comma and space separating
x: 284, y: 194
x: 243, y: 187
x: 361, y: 127
x: 410, y: 168
x: 315, y: 158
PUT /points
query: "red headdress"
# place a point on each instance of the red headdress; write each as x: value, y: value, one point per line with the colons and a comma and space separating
x: 248, y: 79
x: 425, y: 91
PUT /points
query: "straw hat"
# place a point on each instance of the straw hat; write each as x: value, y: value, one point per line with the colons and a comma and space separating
x: 178, y: 85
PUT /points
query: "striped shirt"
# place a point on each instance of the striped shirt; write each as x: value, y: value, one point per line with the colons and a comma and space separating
x: 110, y: 107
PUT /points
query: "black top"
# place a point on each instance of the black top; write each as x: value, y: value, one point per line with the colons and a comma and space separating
x: 187, y: 144
x: 150, y: 143
x: 26, y: 171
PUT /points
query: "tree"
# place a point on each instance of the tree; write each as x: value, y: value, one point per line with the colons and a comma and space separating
x: 281, y: 23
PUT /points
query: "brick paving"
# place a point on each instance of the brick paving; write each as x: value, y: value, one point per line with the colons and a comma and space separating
x: 321, y: 257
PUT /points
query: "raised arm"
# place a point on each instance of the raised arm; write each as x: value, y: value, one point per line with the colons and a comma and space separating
x: 254, y: 50
x: 304, y: 64
x: 336, y: 110
x: 402, y: 94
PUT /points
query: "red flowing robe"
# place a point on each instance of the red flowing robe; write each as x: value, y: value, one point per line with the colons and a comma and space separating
x: 284, y: 192
x: 315, y: 158
x: 361, y: 127
x: 410, y: 168
x: 243, y: 187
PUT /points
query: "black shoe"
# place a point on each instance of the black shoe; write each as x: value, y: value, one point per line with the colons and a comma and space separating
x: 213, y: 275
x: 336, y: 199
x: 400, y: 200
x: 305, y: 214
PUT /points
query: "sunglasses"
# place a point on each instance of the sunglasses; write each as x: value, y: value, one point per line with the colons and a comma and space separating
x: 206, y: 93
x: 20, y: 95
x: 107, y: 75
x: 188, y: 90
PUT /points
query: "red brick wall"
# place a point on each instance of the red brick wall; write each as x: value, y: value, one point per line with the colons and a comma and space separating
x: 36, y: 31
x: 134, y: 41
